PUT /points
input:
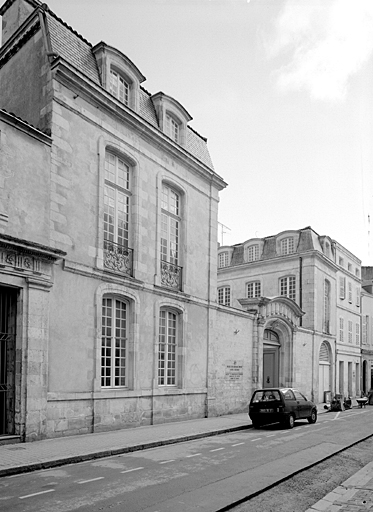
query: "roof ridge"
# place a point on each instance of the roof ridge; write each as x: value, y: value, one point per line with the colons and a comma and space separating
x: 60, y: 20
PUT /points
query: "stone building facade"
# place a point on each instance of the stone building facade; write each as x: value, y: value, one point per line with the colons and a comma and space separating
x: 109, y: 232
x: 367, y: 328
x: 292, y: 283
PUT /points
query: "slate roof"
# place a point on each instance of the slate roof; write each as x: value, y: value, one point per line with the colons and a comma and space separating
x: 77, y: 51
x: 72, y: 48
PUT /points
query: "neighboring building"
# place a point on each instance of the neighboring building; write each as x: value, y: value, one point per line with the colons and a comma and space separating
x: 348, y: 334
x: 26, y: 274
x: 292, y: 281
x: 367, y: 328
x: 108, y: 230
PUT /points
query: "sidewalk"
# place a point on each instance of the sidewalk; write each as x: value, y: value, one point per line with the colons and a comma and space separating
x: 355, y: 494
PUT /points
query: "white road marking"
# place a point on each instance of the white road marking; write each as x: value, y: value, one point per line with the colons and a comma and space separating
x: 35, y: 494
x: 256, y: 439
x: 130, y: 470
x: 167, y: 461
x: 270, y: 435
x: 336, y: 416
x: 216, y: 449
x: 91, y: 480
x: 238, y: 444
x: 194, y: 455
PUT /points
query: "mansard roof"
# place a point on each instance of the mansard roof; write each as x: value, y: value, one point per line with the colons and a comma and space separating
x: 305, y: 239
x: 73, y: 48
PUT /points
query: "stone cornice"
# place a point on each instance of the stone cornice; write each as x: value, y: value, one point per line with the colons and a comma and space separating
x: 30, y: 248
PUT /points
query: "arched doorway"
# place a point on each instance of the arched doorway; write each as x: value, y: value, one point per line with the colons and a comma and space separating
x: 324, y: 370
x: 271, y: 351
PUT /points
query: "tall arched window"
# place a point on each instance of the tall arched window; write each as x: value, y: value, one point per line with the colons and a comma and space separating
x: 117, y: 194
x: 167, y: 348
x: 326, y: 326
x: 114, y: 343
x: 170, y: 237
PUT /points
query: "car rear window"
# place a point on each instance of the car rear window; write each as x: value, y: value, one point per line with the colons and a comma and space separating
x: 265, y: 396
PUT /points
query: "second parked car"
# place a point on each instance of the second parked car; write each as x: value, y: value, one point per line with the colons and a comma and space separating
x: 283, y: 405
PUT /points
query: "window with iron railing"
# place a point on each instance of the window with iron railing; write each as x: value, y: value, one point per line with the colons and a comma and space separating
x: 171, y: 271
x: 117, y: 194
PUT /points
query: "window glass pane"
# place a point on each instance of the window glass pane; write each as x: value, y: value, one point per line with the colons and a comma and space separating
x: 170, y: 226
x: 167, y: 349
x: 119, y: 87
x: 253, y: 253
x: 113, y: 343
x: 223, y: 260
x: 116, y: 202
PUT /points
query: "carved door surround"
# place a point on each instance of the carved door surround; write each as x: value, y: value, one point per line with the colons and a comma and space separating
x: 281, y: 315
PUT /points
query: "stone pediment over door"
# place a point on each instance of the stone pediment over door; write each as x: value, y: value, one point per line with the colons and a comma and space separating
x: 276, y: 307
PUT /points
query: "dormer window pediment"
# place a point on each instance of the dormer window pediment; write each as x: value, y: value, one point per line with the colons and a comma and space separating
x: 173, y: 118
x: 119, y: 75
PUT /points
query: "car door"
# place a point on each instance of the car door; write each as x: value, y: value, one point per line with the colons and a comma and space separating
x: 291, y: 405
x: 304, y: 409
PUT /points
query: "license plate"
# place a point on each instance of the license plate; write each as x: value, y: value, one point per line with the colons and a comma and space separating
x: 266, y: 410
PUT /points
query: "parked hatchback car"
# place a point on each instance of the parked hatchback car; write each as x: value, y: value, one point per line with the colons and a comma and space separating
x: 283, y: 405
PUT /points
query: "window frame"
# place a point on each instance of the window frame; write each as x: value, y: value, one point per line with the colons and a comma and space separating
x: 224, y: 295
x: 256, y: 289
x: 223, y: 257
x: 341, y: 329
x: 171, y: 344
x: 287, y: 246
x: 252, y: 252
x: 342, y: 287
x: 125, y: 83
x: 349, y: 288
x: 170, y: 244
x: 111, y: 368
x: 327, y: 309
x: 289, y: 285
x: 350, y: 331
x: 173, y: 127
x: 119, y: 191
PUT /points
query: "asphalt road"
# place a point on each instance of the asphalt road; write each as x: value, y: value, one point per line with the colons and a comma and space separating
x: 203, y: 475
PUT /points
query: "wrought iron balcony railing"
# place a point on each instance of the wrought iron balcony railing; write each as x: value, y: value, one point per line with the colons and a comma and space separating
x: 118, y: 258
x: 171, y: 275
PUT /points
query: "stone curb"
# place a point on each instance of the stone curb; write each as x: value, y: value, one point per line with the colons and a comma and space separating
x: 26, y: 468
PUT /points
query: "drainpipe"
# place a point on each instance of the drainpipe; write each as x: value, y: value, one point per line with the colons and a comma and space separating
x: 208, y: 307
x: 300, y: 287
x: 313, y: 367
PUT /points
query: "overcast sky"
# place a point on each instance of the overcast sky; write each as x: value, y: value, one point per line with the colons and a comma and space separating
x: 282, y: 89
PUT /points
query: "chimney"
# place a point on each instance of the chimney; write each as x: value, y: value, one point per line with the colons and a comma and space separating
x: 14, y: 13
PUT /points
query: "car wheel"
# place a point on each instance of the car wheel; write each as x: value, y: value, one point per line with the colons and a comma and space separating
x: 290, y: 421
x: 313, y: 417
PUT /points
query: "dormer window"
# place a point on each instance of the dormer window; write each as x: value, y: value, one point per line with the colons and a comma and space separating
x: 119, y: 75
x: 172, y: 128
x: 287, y: 246
x: 173, y: 118
x: 253, y: 252
x: 119, y: 87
